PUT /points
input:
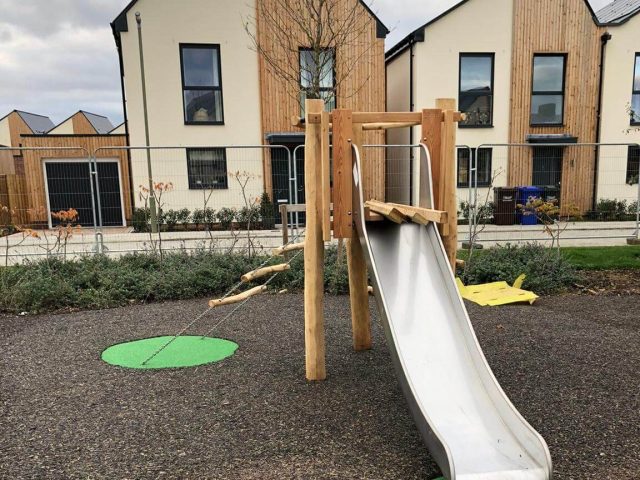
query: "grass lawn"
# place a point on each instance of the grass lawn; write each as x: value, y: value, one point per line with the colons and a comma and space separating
x: 593, y: 258
x: 603, y: 258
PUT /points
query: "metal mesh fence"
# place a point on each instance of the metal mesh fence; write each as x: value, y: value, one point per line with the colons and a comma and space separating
x: 548, y: 192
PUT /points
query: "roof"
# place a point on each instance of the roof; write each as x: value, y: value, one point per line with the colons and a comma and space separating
x: 618, y: 12
x: 117, y: 127
x: 101, y: 123
x: 37, y: 123
x: 418, y: 34
x: 120, y: 24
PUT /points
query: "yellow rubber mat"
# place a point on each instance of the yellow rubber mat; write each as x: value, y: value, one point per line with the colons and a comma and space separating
x: 496, y: 293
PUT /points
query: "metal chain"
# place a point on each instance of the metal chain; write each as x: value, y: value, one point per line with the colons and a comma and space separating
x: 226, y: 295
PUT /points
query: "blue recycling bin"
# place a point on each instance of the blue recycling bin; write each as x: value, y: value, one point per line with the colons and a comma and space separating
x: 524, y: 194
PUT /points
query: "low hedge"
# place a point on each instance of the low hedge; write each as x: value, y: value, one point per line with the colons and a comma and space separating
x: 100, y: 282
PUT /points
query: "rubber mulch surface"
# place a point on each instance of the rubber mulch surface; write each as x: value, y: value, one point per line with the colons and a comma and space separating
x: 570, y: 364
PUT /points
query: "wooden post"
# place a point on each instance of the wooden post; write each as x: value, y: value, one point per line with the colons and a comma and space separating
x: 432, y: 138
x: 358, y: 282
x: 314, y: 249
x: 448, y: 178
x: 326, y: 177
x: 342, y: 174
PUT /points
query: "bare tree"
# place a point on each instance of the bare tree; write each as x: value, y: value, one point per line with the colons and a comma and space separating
x: 314, y: 46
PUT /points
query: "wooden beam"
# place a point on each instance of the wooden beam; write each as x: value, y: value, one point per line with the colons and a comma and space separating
x: 280, y: 251
x: 358, y: 278
x: 388, y: 126
x: 314, y: 249
x: 342, y: 174
x: 370, y: 216
x: 237, y: 298
x: 326, y: 178
x: 386, y: 210
x: 435, y: 216
x: 368, y: 119
x: 448, y: 179
x: 263, y: 272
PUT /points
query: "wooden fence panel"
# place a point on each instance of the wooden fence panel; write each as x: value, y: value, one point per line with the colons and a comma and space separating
x: 13, y: 194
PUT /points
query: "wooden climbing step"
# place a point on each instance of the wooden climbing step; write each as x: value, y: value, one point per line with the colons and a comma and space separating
x: 238, y: 298
x: 280, y: 251
x: 262, y: 272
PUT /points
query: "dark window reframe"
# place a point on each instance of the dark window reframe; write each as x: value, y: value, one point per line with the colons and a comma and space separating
x: 634, y: 91
x: 633, y: 165
x: 332, y: 88
x: 209, y: 186
x: 460, y: 93
x: 204, y: 46
x: 472, y: 153
x: 549, y: 92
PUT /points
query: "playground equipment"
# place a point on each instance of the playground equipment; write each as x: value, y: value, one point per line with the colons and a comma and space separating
x: 497, y: 293
x: 469, y: 425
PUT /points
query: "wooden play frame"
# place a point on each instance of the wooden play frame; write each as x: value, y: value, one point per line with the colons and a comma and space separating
x: 438, y: 134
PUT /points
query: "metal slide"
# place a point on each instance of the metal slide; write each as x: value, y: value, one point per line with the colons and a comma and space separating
x: 469, y: 425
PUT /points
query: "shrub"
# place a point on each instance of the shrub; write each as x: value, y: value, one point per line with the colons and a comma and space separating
x: 183, y: 216
x: 170, y: 219
x: 140, y: 219
x: 546, y: 270
x: 209, y: 217
x: 248, y: 217
x: 611, y: 209
x: 267, y: 212
x: 198, y: 218
x: 226, y: 216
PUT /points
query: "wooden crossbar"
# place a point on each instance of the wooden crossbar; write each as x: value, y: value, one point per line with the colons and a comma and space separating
x: 376, y: 120
x: 263, y: 272
x: 400, y: 213
x: 386, y: 210
x: 238, y: 298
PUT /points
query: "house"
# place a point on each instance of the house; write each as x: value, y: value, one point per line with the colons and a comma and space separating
x: 618, y: 175
x: 525, y: 72
x: 83, y: 123
x: 209, y: 91
x: 12, y: 126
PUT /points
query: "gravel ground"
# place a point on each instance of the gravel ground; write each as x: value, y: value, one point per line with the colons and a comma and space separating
x: 570, y: 364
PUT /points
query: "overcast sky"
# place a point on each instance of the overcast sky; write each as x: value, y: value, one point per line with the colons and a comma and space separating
x: 58, y: 56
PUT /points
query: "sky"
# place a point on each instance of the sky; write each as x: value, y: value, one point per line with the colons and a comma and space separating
x: 59, y: 56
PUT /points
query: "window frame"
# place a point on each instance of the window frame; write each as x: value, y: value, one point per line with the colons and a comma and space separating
x: 203, y: 46
x: 493, y: 71
x: 633, y: 151
x: 472, y: 154
x: 635, y: 92
x: 190, y: 175
x: 562, y: 93
x: 333, y: 77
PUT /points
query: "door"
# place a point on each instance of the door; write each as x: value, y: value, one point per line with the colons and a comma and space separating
x: 282, y: 172
x: 547, y: 166
x: 69, y: 186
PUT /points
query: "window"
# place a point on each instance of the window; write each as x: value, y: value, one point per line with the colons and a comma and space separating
x: 317, y: 67
x: 547, y: 94
x: 483, y: 165
x: 475, y: 95
x: 635, y: 97
x: 207, y: 168
x: 201, y: 84
x: 633, y: 165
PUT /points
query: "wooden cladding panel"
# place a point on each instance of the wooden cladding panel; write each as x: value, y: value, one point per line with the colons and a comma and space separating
x: 81, y: 125
x: 34, y: 160
x: 17, y: 127
x: 557, y: 26
x: 364, y: 89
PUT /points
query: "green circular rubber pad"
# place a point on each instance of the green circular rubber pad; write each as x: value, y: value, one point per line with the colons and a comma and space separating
x: 181, y: 353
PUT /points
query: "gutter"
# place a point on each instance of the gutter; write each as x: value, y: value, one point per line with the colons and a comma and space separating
x: 604, y: 39
x: 118, y: 39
